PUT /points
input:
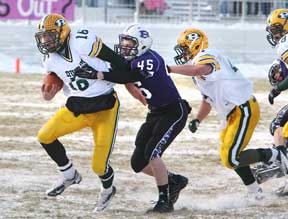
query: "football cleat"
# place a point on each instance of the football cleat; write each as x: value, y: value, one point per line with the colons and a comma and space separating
x: 105, y: 198
x: 161, y: 206
x: 264, y: 172
x: 176, y: 184
x: 63, y: 184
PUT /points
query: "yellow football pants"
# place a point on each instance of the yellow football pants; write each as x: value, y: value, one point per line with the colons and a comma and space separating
x: 285, y: 130
x: 238, y: 132
x: 103, y: 125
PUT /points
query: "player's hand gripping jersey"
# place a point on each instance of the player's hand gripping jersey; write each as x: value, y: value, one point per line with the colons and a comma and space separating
x: 225, y: 87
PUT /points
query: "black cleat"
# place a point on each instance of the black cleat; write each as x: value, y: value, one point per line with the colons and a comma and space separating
x: 176, y: 184
x: 161, y: 206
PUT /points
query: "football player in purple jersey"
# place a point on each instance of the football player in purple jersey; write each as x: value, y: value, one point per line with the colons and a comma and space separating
x: 167, y: 111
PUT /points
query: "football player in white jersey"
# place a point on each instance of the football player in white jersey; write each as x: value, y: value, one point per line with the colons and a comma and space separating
x: 90, y: 103
x: 225, y: 89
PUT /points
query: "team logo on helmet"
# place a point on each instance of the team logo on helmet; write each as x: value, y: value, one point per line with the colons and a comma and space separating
x: 60, y: 22
x: 192, y: 36
x: 283, y: 15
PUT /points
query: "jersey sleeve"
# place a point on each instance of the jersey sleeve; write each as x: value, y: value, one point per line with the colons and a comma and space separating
x: 208, y: 59
x: 48, y: 65
x: 283, y: 49
x: 87, y: 42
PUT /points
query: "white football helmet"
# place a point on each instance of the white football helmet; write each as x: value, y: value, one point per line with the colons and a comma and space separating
x: 134, y: 41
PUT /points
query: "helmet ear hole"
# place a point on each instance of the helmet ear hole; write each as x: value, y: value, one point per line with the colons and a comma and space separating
x: 197, y: 47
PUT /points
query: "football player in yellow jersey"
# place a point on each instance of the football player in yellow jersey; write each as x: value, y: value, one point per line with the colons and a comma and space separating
x: 90, y: 103
x: 225, y: 89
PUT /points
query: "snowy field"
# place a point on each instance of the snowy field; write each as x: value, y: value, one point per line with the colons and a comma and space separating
x: 213, y: 191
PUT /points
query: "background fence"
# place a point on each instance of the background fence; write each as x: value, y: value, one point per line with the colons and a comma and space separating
x: 175, y: 11
x: 242, y: 41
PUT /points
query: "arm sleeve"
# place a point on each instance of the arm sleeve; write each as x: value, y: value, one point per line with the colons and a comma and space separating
x: 208, y: 59
x: 283, y: 85
x: 123, y: 77
x: 109, y: 55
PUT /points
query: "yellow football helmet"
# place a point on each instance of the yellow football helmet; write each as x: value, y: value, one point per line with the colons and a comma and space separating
x: 189, y: 44
x: 53, y: 31
x: 277, y: 25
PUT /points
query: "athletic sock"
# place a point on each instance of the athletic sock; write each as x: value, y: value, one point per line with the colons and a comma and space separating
x: 254, y: 187
x: 68, y: 171
x: 163, y: 192
x: 107, y: 178
x: 274, y: 155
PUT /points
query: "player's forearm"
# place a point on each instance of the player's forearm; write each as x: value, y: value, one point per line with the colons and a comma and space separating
x: 136, y: 93
x: 116, y: 60
x: 191, y: 70
x: 122, y: 77
x: 203, y: 111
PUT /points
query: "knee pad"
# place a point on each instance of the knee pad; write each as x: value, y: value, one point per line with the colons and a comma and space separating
x: 45, y: 137
x: 138, y: 161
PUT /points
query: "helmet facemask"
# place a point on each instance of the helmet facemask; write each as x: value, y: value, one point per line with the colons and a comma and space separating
x: 183, y: 54
x: 127, y: 47
x: 275, y: 33
x: 48, y: 41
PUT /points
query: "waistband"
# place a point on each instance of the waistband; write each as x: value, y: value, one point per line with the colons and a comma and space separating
x: 241, y: 106
x: 165, y: 107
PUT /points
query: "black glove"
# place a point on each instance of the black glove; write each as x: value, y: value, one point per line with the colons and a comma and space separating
x: 273, y: 93
x: 193, y: 125
x: 85, y: 71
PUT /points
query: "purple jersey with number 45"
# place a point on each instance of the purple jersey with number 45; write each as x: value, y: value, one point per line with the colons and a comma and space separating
x: 158, y: 88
